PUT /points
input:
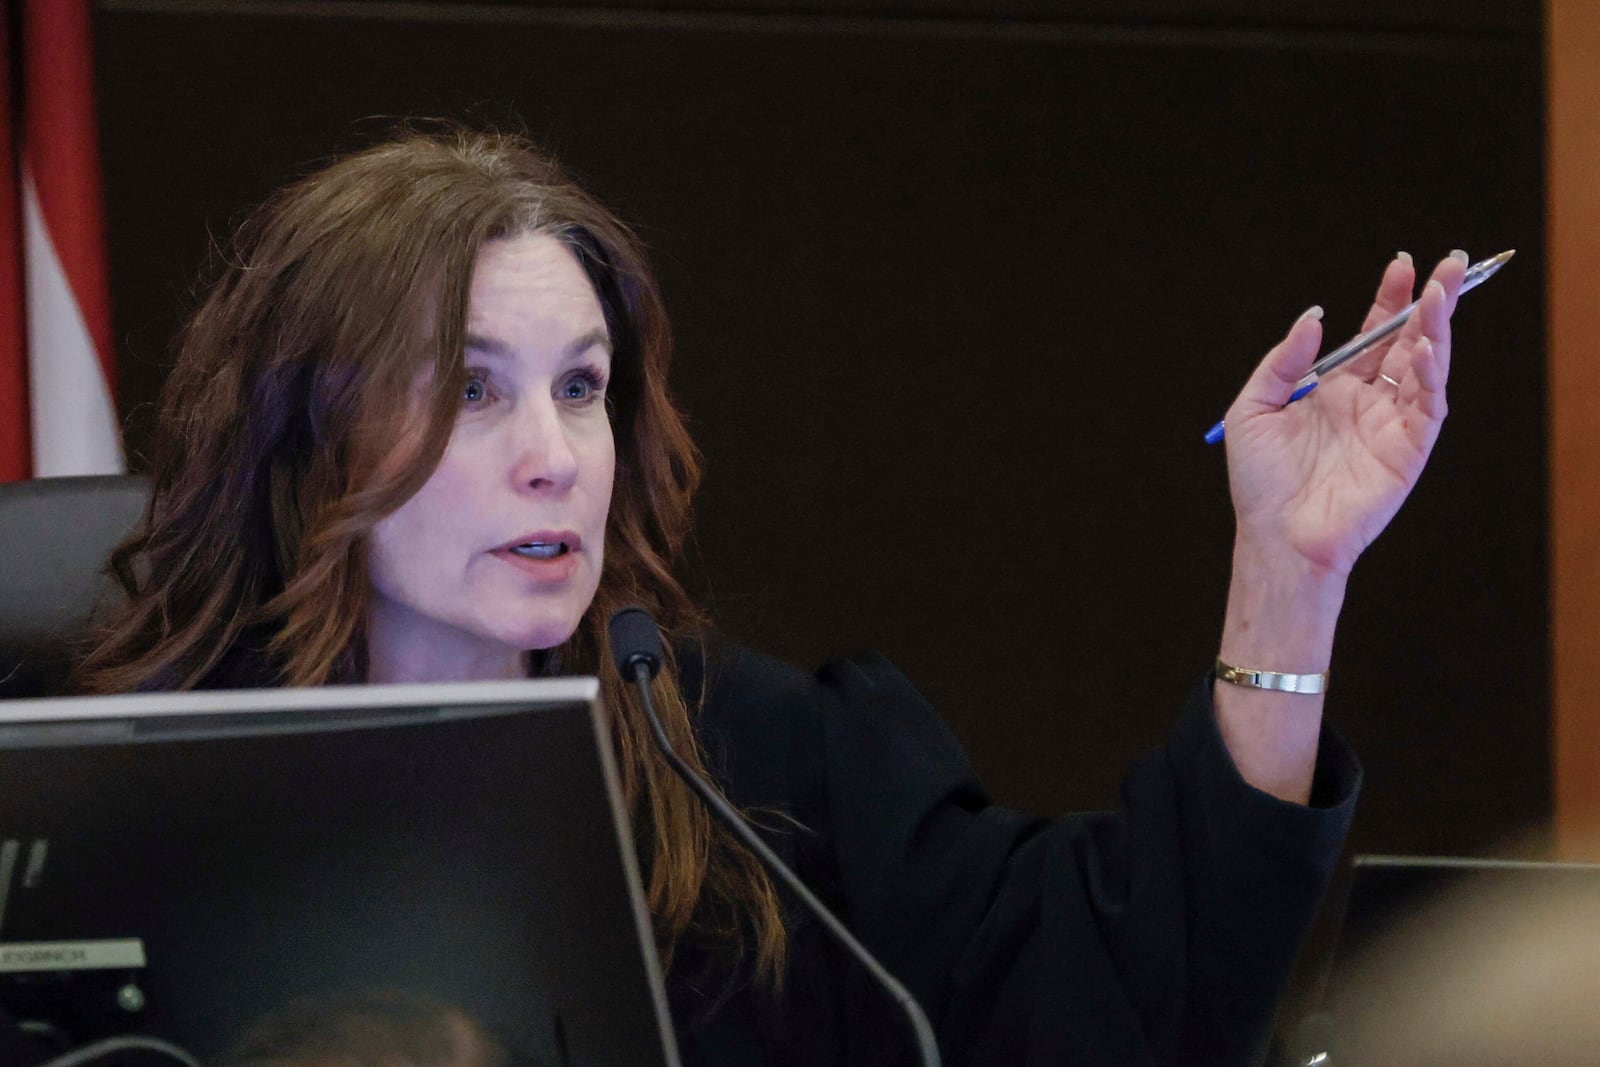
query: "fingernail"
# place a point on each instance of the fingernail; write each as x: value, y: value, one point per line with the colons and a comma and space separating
x: 1312, y: 312
x: 1434, y: 283
x: 1404, y: 257
x: 1459, y: 255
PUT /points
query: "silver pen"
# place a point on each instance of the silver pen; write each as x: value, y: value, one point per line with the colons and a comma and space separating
x: 1476, y: 275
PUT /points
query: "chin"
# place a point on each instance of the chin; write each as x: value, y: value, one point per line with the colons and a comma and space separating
x: 545, y: 629
x: 528, y: 619
x: 527, y: 638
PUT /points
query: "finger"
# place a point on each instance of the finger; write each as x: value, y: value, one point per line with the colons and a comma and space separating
x: 1394, y: 290
x: 1433, y: 318
x: 1394, y: 293
x: 1275, y: 378
x: 1429, y: 366
x: 1426, y: 388
x: 1450, y: 272
x: 1448, y: 275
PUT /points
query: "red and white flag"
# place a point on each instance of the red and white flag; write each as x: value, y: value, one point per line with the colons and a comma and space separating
x: 57, y: 367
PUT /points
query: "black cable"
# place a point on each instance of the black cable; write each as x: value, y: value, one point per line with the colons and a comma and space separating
x: 86, y: 1054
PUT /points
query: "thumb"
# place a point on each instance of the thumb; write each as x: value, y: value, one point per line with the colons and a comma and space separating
x: 1274, y: 380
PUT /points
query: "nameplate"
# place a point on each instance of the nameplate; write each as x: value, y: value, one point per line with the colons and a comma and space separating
x: 117, y: 954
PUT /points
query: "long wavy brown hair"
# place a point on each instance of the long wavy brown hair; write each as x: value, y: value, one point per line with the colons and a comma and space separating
x: 286, y: 433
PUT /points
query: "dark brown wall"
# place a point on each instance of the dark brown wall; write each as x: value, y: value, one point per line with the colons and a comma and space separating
x: 958, y: 286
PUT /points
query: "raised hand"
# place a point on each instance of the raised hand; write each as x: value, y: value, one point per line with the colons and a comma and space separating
x: 1319, y: 479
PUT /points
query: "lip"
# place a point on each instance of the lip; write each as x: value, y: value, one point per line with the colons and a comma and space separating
x: 569, y: 538
x: 558, y: 569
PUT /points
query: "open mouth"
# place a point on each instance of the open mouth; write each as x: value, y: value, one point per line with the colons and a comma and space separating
x: 541, y: 549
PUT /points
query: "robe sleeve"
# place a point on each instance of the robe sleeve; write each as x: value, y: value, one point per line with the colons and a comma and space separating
x: 1163, y: 932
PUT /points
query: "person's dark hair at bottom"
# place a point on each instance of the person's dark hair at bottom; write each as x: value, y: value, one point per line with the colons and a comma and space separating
x: 385, y: 1028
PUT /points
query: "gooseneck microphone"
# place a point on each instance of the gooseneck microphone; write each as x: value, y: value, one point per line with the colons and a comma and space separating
x: 636, y: 648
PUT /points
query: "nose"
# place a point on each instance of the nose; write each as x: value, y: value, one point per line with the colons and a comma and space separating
x: 545, y: 458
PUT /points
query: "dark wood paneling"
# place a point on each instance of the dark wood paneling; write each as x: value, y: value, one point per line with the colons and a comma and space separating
x: 954, y: 309
x: 1448, y: 17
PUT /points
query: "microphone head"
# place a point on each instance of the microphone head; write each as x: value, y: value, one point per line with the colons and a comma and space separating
x: 635, y: 639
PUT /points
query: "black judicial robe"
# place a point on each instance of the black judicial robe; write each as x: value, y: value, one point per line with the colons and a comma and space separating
x: 1160, y: 933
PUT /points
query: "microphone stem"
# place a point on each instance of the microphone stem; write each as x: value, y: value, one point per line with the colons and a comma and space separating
x: 927, y: 1046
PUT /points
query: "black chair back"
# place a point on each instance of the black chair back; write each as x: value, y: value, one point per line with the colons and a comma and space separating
x: 56, y: 535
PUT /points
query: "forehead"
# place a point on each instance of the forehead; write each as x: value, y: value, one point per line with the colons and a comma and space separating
x: 528, y: 285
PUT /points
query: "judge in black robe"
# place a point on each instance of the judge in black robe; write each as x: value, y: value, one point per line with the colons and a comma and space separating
x: 1162, y: 932
x: 1159, y: 933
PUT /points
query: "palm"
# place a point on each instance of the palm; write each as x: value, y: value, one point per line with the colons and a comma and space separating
x: 1322, y: 477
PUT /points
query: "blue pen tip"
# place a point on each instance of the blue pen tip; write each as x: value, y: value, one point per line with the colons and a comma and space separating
x: 1214, y: 434
x: 1300, y: 392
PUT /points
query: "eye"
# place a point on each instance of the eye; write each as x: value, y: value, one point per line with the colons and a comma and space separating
x: 476, y: 388
x: 582, y: 387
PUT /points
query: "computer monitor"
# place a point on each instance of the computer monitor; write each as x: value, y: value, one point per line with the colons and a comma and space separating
x: 177, y: 865
x: 1415, y: 928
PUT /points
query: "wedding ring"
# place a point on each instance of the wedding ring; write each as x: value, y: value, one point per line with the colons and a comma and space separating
x: 1388, y: 379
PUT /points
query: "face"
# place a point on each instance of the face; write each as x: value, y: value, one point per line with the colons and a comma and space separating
x: 501, y: 550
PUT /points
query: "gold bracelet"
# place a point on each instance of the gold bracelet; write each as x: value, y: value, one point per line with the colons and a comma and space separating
x: 1274, y: 680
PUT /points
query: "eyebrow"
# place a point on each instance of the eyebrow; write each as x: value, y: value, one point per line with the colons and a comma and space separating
x: 580, y: 344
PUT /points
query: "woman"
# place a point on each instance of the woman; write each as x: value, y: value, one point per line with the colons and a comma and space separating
x: 419, y: 430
